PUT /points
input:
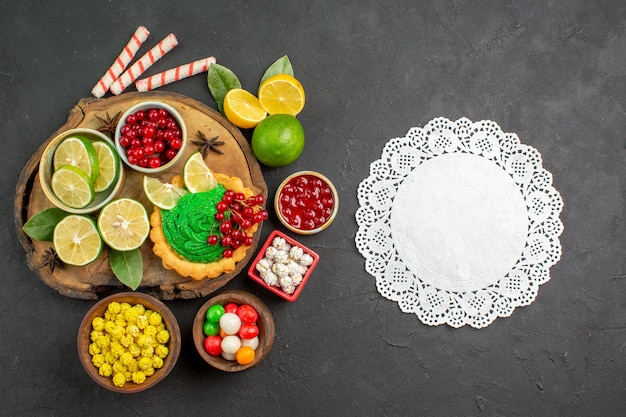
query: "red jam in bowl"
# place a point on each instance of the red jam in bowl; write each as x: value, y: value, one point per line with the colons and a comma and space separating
x: 306, y: 202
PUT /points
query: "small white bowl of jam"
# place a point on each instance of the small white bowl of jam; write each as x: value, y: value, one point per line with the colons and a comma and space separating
x: 306, y: 202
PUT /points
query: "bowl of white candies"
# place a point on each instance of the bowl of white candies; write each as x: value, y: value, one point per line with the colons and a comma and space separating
x: 283, y: 266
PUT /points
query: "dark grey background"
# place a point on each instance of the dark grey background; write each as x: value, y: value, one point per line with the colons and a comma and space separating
x: 552, y: 72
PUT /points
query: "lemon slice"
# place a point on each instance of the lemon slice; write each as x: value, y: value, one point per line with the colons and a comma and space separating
x: 76, y: 240
x: 163, y: 195
x: 109, y: 164
x: 282, y: 94
x: 243, y: 109
x: 72, y: 186
x: 196, y: 174
x: 124, y: 224
x: 79, y: 152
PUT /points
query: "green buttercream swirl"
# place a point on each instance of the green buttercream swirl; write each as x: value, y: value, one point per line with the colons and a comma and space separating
x: 188, y: 225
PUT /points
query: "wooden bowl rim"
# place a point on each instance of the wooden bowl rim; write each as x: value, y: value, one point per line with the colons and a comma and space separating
x: 265, y: 323
x: 132, y: 298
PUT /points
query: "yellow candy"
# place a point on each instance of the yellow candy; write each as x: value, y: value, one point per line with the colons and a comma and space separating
x: 109, y: 326
x: 135, y: 350
x: 131, y: 316
x: 109, y: 358
x: 157, y: 362
x: 163, y: 336
x: 150, y: 330
x: 126, y: 359
x: 95, y: 334
x: 102, y: 342
x: 98, y: 323
x: 133, y: 366
x: 105, y: 370
x: 98, y: 360
x: 120, y: 321
x: 161, y: 351
x: 144, y: 341
x: 155, y: 319
x: 114, y: 307
x: 119, y: 379
x: 142, y: 321
x: 145, y: 363
x: 94, y: 349
x: 132, y: 330
x: 138, y: 377
x: 126, y: 341
x: 147, y: 352
x: 119, y: 368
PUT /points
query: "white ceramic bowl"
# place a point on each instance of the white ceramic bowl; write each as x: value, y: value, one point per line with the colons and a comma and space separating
x: 46, y: 170
x: 146, y: 105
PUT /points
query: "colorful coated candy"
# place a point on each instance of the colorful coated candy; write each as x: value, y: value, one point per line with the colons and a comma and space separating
x: 214, y: 313
x: 213, y: 345
x: 232, y: 332
x: 211, y: 328
x: 247, y: 314
x: 230, y: 323
x: 231, y: 344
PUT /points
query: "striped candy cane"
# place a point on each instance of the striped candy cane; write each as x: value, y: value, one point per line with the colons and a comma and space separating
x: 145, y: 62
x: 127, y: 55
x: 174, y: 74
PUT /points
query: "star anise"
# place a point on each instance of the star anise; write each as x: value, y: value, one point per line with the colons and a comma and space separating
x: 51, y: 260
x: 109, y: 124
x: 207, y: 145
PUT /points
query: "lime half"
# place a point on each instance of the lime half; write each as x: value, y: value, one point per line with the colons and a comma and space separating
x: 163, y: 195
x: 79, y: 152
x: 196, y: 174
x: 124, y: 224
x: 72, y: 186
x: 109, y: 164
x: 76, y: 240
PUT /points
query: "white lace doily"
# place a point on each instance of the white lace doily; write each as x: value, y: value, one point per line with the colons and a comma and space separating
x: 459, y: 222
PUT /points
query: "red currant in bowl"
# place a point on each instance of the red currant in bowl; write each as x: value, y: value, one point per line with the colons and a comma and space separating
x: 151, y: 137
x: 306, y: 202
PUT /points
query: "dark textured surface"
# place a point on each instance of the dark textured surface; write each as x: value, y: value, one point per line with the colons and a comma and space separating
x: 552, y: 72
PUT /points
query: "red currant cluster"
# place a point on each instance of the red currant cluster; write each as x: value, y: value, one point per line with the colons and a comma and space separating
x: 150, y: 137
x: 235, y: 215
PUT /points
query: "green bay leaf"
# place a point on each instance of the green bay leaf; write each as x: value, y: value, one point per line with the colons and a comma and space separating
x: 281, y: 66
x: 221, y: 80
x: 41, y: 225
x: 127, y: 266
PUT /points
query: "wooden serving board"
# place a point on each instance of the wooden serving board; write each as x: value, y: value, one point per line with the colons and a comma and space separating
x: 97, y: 279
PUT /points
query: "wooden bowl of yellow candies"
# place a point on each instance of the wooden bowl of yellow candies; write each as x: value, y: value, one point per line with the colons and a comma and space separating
x: 128, y: 342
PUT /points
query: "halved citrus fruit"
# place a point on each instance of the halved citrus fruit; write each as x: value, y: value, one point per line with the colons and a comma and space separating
x: 72, y: 186
x: 282, y: 94
x: 76, y: 240
x: 109, y: 163
x: 243, y: 109
x: 196, y: 174
x: 79, y: 152
x: 163, y: 195
x: 124, y: 224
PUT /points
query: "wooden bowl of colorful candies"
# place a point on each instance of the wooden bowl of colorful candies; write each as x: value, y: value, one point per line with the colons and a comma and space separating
x: 128, y: 342
x: 233, y: 331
